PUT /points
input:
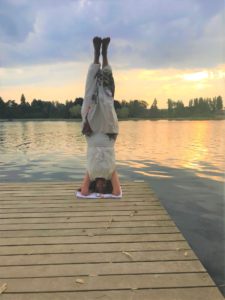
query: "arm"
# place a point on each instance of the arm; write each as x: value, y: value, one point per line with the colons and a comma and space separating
x: 116, y: 184
x: 85, y: 185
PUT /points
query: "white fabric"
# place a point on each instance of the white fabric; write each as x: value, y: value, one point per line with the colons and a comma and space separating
x: 97, y: 195
x: 100, y: 156
x: 101, y: 113
x: 102, y: 119
x: 89, y: 89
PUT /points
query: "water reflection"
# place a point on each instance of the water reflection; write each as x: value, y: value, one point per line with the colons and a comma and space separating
x: 185, y: 144
x: 48, y: 148
x: 154, y: 174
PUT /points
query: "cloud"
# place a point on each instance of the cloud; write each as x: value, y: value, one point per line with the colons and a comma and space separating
x: 57, y: 74
x: 150, y: 34
x: 197, y: 76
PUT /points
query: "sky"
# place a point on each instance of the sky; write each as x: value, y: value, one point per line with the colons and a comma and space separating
x: 159, y: 48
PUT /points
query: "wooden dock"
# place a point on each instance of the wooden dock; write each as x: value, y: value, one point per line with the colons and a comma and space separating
x: 54, y: 246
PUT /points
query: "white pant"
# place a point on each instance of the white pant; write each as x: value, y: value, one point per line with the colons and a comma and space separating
x: 100, y: 111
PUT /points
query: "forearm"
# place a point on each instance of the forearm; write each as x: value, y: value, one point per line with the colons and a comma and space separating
x: 85, y: 185
x: 116, y: 184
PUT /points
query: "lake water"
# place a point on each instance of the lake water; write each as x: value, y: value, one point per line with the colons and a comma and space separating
x: 183, y: 161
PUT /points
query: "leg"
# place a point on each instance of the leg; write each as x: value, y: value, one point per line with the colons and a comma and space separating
x: 116, y: 184
x: 107, y: 71
x: 91, y: 78
x: 97, y: 41
x: 85, y: 185
x: 105, y: 44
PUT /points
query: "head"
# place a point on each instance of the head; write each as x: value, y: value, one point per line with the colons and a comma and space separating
x: 101, y: 185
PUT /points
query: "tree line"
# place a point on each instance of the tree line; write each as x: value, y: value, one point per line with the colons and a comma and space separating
x: 40, y: 109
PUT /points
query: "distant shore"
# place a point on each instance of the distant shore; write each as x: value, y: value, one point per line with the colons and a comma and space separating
x: 124, y: 119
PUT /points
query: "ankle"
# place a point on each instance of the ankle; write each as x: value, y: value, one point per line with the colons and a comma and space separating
x: 96, y: 58
x: 104, y: 53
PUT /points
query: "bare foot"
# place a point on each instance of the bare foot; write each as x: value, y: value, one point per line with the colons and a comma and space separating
x: 97, y: 41
x: 105, y: 44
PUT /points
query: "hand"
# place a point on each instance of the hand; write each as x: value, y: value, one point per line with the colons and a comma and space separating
x: 85, y: 192
x: 116, y: 192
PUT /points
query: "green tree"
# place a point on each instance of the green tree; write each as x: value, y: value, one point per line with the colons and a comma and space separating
x: 22, y: 99
x: 2, y: 108
x: 37, y: 108
x: 24, y: 107
x: 117, y: 104
x: 12, y: 110
x: 179, y: 109
x: 138, y: 108
x: 123, y: 112
x: 219, y: 103
x: 171, y: 106
x: 75, y: 111
x: 154, y: 111
x: 78, y: 101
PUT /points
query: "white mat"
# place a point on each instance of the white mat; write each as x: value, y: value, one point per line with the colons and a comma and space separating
x: 97, y: 195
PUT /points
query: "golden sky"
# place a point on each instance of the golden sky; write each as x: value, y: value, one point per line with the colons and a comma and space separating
x: 65, y: 81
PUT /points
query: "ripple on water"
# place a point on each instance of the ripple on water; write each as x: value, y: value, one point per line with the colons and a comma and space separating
x: 52, y: 148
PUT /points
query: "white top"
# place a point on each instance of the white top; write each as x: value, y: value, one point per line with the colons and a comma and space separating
x: 100, y: 156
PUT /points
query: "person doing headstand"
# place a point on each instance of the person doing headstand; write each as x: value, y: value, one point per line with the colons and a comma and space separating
x: 100, y: 125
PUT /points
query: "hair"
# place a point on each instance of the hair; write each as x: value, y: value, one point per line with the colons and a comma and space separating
x: 107, y: 190
x: 112, y: 136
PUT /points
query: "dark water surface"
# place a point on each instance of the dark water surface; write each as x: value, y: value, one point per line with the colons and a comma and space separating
x: 183, y: 161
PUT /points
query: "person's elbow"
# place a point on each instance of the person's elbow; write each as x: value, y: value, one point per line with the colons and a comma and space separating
x: 116, y: 192
x: 85, y: 192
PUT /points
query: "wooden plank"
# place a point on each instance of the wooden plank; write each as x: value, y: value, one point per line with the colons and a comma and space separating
x: 71, y: 196
x: 84, y: 213
x: 57, y: 189
x: 72, y: 258
x: 109, y: 282
x: 88, y: 207
x: 68, y: 192
x: 92, y: 239
x: 71, y: 200
x: 88, y: 231
x: 97, y: 247
x: 137, y: 190
x: 83, y: 219
x: 76, y: 205
x: 99, y: 269
x: 86, y: 225
x: 66, y: 183
x: 65, y: 193
x: 64, y: 200
x: 195, y: 293
x: 61, y: 192
x: 20, y: 189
